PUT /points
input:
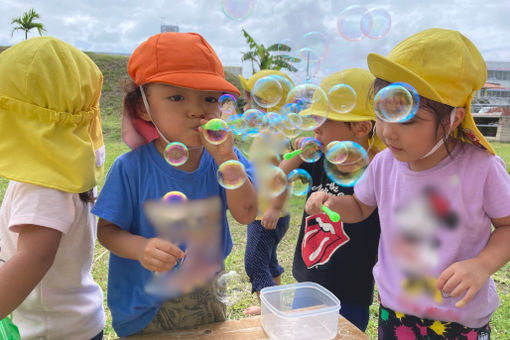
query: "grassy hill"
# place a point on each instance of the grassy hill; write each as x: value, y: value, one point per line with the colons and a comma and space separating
x: 114, y: 68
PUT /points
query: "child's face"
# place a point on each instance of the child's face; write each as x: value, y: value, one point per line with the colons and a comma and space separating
x: 177, y: 111
x: 333, y: 130
x: 411, y: 140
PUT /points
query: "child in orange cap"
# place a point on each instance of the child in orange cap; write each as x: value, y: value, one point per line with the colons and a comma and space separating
x: 177, y: 82
x: 438, y: 188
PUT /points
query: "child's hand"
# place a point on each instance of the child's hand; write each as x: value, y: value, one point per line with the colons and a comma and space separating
x: 270, y: 219
x: 464, y: 276
x: 160, y: 255
x: 314, y: 203
x: 220, y: 152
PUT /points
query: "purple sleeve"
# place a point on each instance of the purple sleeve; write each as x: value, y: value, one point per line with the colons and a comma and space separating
x: 365, y: 188
x: 496, y: 191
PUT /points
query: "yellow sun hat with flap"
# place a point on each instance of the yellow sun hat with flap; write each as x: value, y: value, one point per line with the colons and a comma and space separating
x: 442, y: 65
x: 50, y: 123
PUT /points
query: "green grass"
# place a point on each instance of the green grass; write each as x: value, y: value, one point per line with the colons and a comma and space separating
x: 500, y: 322
x: 114, y: 68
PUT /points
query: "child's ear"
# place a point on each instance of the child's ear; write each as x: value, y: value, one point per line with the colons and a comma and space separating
x: 456, y: 117
x: 361, y: 129
x: 142, y: 111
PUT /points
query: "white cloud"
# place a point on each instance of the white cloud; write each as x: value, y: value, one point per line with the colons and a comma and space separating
x: 120, y: 25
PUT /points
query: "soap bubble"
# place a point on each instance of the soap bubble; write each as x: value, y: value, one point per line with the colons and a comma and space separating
x: 304, y: 96
x: 375, y: 23
x: 176, y: 154
x: 255, y: 121
x: 237, y: 9
x: 229, y: 288
x: 342, y: 98
x: 231, y: 174
x: 349, y: 23
x: 396, y: 103
x: 227, y: 104
x: 300, y: 182
x: 316, y: 42
x: 215, y: 131
x: 349, y: 171
x: 311, y: 149
x: 174, y: 197
x: 337, y: 152
x: 267, y: 92
x: 236, y: 123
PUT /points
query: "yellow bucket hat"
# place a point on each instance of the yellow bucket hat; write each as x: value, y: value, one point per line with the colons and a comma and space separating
x: 361, y: 82
x: 50, y: 124
x: 442, y: 65
x: 284, y: 80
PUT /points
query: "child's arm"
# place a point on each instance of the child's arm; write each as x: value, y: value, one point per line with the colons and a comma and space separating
x: 242, y: 202
x: 36, y: 251
x: 154, y: 254
x: 470, y: 275
x: 350, y: 208
x: 272, y: 214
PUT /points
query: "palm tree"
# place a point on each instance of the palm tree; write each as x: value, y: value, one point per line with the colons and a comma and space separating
x: 26, y: 23
x: 265, y: 57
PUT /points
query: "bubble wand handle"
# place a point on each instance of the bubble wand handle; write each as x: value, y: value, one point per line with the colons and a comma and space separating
x: 333, y: 216
x: 290, y: 155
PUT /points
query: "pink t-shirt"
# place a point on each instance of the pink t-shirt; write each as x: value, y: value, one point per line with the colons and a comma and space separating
x: 429, y: 220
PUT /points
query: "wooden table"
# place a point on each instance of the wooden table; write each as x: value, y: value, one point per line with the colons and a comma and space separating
x: 244, y: 329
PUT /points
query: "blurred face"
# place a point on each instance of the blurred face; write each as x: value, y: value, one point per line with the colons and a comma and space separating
x: 411, y: 140
x: 333, y: 130
x: 177, y: 111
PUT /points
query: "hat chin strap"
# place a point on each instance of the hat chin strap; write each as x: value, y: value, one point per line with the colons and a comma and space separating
x: 146, y: 104
x: 443, y: 140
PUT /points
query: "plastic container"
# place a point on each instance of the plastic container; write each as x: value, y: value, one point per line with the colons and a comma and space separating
x: 304, y: 310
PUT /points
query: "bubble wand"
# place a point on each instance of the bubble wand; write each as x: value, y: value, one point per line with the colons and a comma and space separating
x: 333, y: 216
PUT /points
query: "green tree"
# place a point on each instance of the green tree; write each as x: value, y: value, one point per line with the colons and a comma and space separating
x: 265, y: 58
x: 26, y: 23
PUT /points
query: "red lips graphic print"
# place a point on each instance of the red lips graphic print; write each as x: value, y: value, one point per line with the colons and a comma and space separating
x: 321, y: 239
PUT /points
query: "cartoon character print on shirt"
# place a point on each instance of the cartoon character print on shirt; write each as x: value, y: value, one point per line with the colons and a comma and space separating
x: 419, y: 222
x: 322, y: 237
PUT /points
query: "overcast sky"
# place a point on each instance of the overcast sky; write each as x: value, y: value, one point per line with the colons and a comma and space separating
x: 119, y: 26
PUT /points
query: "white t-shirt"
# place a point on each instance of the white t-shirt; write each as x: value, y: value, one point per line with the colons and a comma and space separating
x: 67, y: 303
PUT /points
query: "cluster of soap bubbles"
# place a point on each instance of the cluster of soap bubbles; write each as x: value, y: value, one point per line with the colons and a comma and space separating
x: 344, y: 161
x: 356, y: 22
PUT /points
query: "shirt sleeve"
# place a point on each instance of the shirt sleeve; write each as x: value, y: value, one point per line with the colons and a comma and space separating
x: 46, y: 207
x: 116, y: 201
x: 496, y: 191
x: 365, y: 188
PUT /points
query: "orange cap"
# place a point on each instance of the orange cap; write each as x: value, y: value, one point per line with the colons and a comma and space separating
x: 179, y: 59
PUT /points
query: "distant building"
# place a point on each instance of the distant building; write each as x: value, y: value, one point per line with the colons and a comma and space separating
x: 496, y: 91
x: 169, y: 28
x: 236, y: 70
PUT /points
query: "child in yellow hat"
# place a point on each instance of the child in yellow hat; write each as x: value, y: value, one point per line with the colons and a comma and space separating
x: 438, y: 188
x: 260, y: 257
x: 52, y: 152
x: 178, y: 80
x: 339, y: 255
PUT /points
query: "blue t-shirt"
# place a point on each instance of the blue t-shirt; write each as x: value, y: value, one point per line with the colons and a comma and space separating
x: 135, y: 177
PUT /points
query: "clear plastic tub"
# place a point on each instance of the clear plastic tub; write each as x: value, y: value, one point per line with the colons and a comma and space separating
x: 302, y: 310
